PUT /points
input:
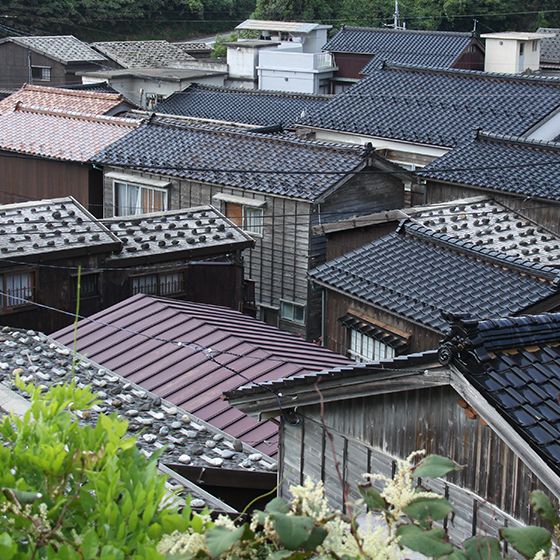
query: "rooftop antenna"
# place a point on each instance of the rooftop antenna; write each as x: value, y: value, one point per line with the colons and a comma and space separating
x: 475, y: 22
x: 396, y: 19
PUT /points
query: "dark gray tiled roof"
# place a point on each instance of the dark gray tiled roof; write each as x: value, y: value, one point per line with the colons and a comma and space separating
x: 487, y: 223
x: 515, y: 363
x: 550, y: 47
x: 501, y: 163
x: 45, y: 227
x: 437, y: 49
x: 257, y: 107
x: 438, y: 107
x: 256, y: 162
x: 418, y: 274
x: 101, y: 87
x: 156, y: 422
x: 142, y: 54
x: 191, y: 231
x: 64, y: 48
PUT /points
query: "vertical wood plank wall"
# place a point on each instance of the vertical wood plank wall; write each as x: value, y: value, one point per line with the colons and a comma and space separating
x: 370, y: 433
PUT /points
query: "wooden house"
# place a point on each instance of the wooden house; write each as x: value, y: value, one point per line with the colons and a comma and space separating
x: 358, y: 50
x: 490, y: 403
x: 274, y: 186
x: 45, y: 152
x: 413, y: 115
x: 193, y: 254
x: 387, y: 297
x: 46, y: 60
x: 521, y: 173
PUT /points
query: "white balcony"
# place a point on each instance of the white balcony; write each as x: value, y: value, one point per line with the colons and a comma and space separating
x: 295, y: 61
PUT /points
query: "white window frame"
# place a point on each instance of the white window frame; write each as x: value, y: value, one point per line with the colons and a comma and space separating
x: 12, y: 301
x: 364, y: 348
x: 141, y: 187
x: 255, y: 227
x: 43, y: 69
x: 284, y: 305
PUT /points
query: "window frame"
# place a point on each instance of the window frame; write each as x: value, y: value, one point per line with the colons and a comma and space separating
x: 42, y: 68
x: 159, y: 274
x: 245, y: 209
x: 379, y: 350
x: 4, y: 300
x: 140, y: 186
x: 283, y: 317
x: 82, y: 276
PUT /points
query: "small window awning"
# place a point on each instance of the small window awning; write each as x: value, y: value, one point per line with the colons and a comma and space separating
x: 137, y: 179
x: 387, y: 337
x: 253, y: 202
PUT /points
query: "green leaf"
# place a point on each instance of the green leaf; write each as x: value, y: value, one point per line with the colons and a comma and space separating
x: 428, y: 509
x: 221, y: 539
x: 278, y: 505
x: 429, y: 543
x: 527, y: 540
x: 8, y: 547
x: 293, y: 530
x: 543, y: 506
x: 434, y: 466
x: 22, y: 497
x: 372, y: 498
x: 318, y: 535
x: 281, y: 555
x: 482, y: 548
x: 90, y: 544
x: 456, y: 555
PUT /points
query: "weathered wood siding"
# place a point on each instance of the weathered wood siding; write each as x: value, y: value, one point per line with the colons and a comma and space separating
x: 350, y: 64
x: 287, y: 250
x: 546, y: 213
x: 344, y: 241
x: 280, y: 260
x: 369, y: 434
x: 27, y: 178
x: 336, y: 334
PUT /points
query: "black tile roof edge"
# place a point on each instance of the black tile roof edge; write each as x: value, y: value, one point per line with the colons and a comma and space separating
x: 470, y: 249
x: 252, y: 92
x: 158, y: 120
x: 459, y: 72
x: 518, y: 140
x: 407, y: 31
x: 339, y: 372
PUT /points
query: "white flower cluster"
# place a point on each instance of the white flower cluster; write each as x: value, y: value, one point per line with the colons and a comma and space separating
x: 188, y: 544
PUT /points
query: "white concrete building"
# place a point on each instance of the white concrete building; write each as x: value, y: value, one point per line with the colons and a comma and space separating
x: 286, y: 57
x: 512, y: 52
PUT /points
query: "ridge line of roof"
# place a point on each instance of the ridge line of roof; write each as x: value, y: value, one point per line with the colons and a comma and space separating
x: 253, y: 92
x: 100, y: 119
x: 518, y: 140
x: 396, y: 31
x: 460, y: 72
x: 71, y: 92
x: 314, y: 144
x: 416, y: 229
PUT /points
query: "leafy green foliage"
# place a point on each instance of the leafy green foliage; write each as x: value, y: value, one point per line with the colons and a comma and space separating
x: 77, y: 491
x: 543, y: 506
x: 482, y: 548
x: 527, y: 540
x: 426, y: 510
x: 434, y: 466
x: 372, y: 498
x: 431, y: 543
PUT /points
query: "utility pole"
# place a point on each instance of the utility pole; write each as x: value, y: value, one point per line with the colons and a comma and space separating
x: 396, y: 19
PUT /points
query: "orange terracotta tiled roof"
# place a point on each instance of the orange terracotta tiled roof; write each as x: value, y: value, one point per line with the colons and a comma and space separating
x: 90, y: 102
x: 60, y: 135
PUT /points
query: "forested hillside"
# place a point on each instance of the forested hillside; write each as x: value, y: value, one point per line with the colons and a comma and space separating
x: 106, y: 19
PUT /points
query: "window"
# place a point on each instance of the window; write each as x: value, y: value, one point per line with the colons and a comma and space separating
x: 164, y: 284
x: 89, y: 285
x: 364, y: 348
x: 521, y: 49
x: 534, y: 46
x: 292, y: 312
x: 138, y: 199
x: 18, y: 287
x: 41, y: 73
x: 248, y: 218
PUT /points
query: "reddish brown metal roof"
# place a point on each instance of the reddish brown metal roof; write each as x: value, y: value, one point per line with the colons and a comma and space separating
x: 139, y: 340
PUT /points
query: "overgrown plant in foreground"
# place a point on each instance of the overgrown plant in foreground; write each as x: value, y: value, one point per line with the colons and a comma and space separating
x: 76, y: 492
x: 72, y: 491
x: 400, y: 518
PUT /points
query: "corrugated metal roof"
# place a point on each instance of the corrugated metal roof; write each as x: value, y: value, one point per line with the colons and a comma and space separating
x: 285, y: 26
x: 139, y: 340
